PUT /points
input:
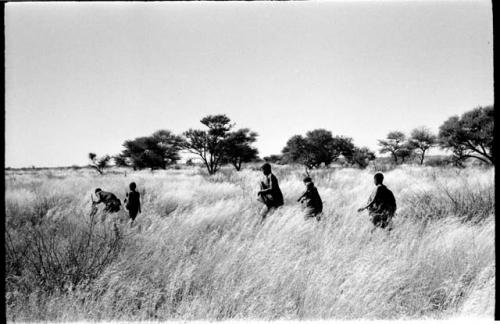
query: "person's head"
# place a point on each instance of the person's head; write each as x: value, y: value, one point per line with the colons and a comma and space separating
x: 266, y: 168
x: 132, y: 186
x: 97, y: 191
x: 307, y: 180
x: 378, y: 178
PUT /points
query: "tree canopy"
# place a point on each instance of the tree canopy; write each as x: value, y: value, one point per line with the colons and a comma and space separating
x: 238, y: 149
x: 317, y: 147
x: 209, y: 144
x: 395, y: 143
x: 155, y: 152
x: 421, y: 139
x: 470, y: 136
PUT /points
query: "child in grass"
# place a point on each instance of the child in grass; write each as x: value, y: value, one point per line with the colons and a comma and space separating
x: 133, y: 202
x: 312, y: 200
x: 269, y: 194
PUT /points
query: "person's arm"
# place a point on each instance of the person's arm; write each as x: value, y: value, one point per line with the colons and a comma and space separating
x: 98, y: 201
x: 139, y: 201
x: 302, y: 197
x: 269, y: 189
x: 375, y: 197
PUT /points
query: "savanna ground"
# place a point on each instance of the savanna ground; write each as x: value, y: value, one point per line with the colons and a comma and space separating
x: 199, y: 252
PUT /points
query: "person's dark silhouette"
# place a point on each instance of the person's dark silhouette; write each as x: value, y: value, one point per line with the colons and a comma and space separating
x: 133, y: 202
x: 269, y: 194
x: 111, y: 202
x: 381, y: 204
x: 312, y: 200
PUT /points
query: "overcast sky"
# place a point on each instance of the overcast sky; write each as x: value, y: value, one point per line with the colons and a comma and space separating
x: 85, y: 77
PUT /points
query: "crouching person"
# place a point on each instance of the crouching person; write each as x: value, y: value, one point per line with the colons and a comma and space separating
x: 111, y: 202
x: 270, y: 193
x: 312, y: 200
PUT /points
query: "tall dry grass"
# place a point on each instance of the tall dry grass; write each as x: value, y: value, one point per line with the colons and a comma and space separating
x: 199, y: 252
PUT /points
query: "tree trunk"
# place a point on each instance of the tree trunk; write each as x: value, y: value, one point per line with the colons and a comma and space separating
x: 395, y: 157
x: 422, y: 158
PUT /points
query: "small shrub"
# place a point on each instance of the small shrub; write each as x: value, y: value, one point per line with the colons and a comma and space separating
x: 55, y: 256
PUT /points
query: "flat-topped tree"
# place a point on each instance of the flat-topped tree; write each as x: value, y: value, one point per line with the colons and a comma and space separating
x: 316, y: 148
x: 157, y: 151
x: 470, y: 136
x: 209, y: 144
x: 394, y: 143
x: 421, y: 139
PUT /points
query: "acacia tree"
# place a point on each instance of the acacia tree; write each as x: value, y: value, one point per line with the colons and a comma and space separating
x: 99, y: 163
x: 394, y: 144
x: 156, y: 151
x: 470, y: 136
x: 238, y: 149
x: 422, y: 139
x: 317, y: 147
x: 209, y: 144
x: 406, y: 151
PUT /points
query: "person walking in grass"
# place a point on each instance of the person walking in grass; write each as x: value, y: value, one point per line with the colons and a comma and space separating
x: 381, y: 204
x: 312, y: 200
x: 133, y: 203
x: 269, y: 194
x: 111, y: 202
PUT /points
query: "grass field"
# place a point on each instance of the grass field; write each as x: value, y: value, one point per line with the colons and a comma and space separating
x: 199, y: 252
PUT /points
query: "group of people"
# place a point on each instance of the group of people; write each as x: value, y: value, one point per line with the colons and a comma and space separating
x: 112, y: 203
x: 381, y: 205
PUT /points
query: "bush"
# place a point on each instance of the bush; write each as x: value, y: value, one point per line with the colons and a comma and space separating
x: 52, y: 256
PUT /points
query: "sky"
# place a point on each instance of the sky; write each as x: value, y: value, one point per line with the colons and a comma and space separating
x: 84, y: 77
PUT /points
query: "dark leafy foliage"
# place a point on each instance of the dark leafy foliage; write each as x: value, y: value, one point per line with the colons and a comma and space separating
x: 470, y: 136
x: 238, y: 149
x: 209, y: 144
x: 317, y: 147
x: 421, y: 140
x: 155, y: 152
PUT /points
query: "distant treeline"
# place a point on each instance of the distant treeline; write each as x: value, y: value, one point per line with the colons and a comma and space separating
x: 469, y: 136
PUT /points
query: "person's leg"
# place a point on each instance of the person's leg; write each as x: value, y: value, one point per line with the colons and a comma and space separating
x: 377, y: 222
x: 266, y: 211
x: 383, y: 220
x: 389, y: 223
x: 132, y: 214
x: 263, y: 212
